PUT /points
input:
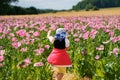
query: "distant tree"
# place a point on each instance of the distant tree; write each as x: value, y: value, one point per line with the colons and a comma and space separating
x: 88, y: 7
x: 84, y: 4
x: 32, y: 10
x: 95, y: 8
x: 3, y: 2
x: 19, y: 10
x: 5, y: 6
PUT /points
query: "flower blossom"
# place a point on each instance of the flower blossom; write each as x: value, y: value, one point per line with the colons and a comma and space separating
x: 100, y: 48
x: 14, y: 39
x: 1, y: 58
x: 1, y: 65
x: 39, y: 51
x: 16, y: 45
x: 115, y: 51
x: 76, y: 39
x: 38, y: 64
x: 23, y: 49
x: 21, y: 33
x: 47, y: 46
x: 26, y: 62
x: 97, y: 57
x: 86, y: 35
x: 36, y: 34
x: 2, y: 52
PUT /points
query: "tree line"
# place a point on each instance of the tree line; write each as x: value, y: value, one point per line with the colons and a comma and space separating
x: 7, y: 9
x: 96, y: 4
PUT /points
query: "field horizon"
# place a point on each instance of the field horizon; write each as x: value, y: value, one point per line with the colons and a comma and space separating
x: 104, y: 11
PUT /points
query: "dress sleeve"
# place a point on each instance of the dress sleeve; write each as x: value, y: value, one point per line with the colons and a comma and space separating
x: 67, y: 43
x: 51, y: 39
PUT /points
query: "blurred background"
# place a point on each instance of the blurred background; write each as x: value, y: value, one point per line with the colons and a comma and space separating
x: 23, y: 7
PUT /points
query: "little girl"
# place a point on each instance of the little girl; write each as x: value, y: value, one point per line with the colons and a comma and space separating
x: 59, y: 58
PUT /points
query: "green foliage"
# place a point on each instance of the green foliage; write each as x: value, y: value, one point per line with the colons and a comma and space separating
x: 97, y: 3
x: 95, y: 8
x: 16, y: 10
x: 7, y: 9
x: 3, y: 2
x: 88, y: 7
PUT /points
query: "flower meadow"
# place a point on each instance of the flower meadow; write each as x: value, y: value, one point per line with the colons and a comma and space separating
x: 94, y: 47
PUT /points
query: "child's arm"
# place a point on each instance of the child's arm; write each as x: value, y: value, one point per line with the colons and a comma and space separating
x: 49, y: 32
x: 67, y: 44
x: 68, y: 48
x: 51, y: 39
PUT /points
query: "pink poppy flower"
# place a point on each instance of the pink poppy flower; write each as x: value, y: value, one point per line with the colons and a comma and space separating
x: 115, y: 51
x: 115, y: 39
x: 75, y: 35
x: 36, y: 34
x: 100, y: 48
x: 93, y: 33
x: 86, y: 35
x: 2, y: 52
x: 111, y: 33
x: 0, y: 30
x: 14, y: 39
x: 27, y: 43
x: 39, y: 51
x: 11, y: 34
x: 16, y: 45
x: 47, y: 46
x: 23, y: 49
x: 97, y: 57
x: 1, y: 65
x: 76, y: 39
x: 38, y: 64
x: 0, y: 47
x: 21, y: 33
x: 26, y: 62
x: 1, y: 58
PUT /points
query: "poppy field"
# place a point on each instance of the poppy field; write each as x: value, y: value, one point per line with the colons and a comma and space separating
x: 94, y: 46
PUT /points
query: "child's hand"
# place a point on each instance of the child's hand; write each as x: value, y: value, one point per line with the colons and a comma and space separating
x: 51, y: 28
